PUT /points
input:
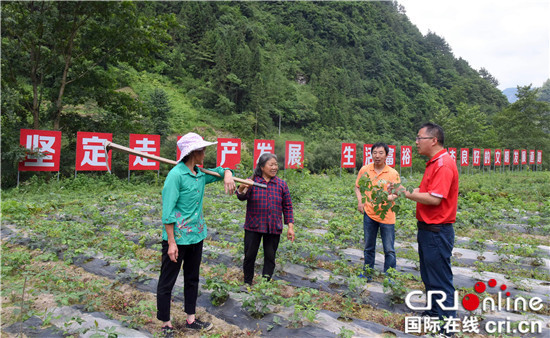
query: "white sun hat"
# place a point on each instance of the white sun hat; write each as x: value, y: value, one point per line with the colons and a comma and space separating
x: 190, y: 142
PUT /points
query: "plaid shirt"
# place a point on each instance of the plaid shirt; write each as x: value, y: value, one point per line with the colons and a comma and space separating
x: 265, y: 206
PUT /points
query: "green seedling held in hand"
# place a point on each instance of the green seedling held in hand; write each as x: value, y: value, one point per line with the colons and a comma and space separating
x: 380, y: 198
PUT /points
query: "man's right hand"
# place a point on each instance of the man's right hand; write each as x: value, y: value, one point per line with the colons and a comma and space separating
x: 173, y: 252
x: 361, y: 207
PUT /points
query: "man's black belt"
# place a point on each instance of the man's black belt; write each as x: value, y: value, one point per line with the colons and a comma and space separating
x: 431, y: 227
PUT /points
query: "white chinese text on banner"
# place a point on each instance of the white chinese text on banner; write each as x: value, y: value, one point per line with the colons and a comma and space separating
x: 476, y: 157
x: 516, y: 157
x: 144, y: 143
x: 523, y: 156
x: 486, y: 157
x: 347, y: 160
x: 452, y: 152
x: 464, y: 157
x: 506, y: 157
x: 261, y: 147
x: 367, y: 156
x: 90, y: 153
x: 390, y: 160
x: 406, y: 156
x: 47, y: 143
x: 294, y: 155
x: 498, y: 157
x: 229, y: 152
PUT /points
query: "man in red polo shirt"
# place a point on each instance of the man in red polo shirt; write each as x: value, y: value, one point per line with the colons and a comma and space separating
x: 436, y: 203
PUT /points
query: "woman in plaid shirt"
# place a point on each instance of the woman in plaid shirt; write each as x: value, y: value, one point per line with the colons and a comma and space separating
x: 264, y: 211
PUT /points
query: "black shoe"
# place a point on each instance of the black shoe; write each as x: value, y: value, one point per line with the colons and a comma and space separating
x: 167, y: 332
x: 198, y: 325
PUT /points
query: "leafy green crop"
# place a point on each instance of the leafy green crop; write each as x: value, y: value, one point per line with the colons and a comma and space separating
x: 377, y: 195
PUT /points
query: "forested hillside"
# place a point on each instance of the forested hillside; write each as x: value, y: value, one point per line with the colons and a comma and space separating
x: 323, y: 72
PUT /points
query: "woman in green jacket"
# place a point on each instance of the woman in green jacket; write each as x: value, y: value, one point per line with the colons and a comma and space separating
x: 185, y: 229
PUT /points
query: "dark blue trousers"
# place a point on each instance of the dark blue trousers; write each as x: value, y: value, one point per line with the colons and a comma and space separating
x: 435, y: 250
x: 387, y: 233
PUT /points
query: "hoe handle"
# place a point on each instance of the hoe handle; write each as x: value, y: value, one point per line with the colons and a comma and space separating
x: 110, y: 145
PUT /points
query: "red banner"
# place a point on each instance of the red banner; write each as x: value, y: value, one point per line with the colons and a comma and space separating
x: 476, y: 157
x: 367, y: 156
x: 48, y: 143
x: 486, y: 157
x: 229, y: 152
x: 261, y: 147
x: 294, y: 155
x: 90, y: 153
x: 506, y: 156
x: 390, y: 160
x: 498, y: 157
x: 149, y: 144
x: 532, y: 156
x: 452, y: 152
x: 406, y: 156
x: 523, y: 156
x: 348, y: 155
x: 464, y: 157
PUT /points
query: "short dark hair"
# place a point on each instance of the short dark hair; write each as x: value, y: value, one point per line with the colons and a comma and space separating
x: 262, y: 161
x: 436, y: 131
x: 378, y: 145
x: 188, y: 156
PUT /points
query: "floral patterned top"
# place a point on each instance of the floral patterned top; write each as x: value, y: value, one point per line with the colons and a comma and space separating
x: 182, y: 198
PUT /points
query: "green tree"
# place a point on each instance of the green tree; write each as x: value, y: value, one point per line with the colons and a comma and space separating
x: 469, y: 128
x: 544, y: 92
x: 525, y: 124
x: 484, y: 73
x: 52, y: 45
x: 159, y: 109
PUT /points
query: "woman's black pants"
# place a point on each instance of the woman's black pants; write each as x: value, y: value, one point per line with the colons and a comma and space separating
x: 251, y: 245
x: 191, y: 256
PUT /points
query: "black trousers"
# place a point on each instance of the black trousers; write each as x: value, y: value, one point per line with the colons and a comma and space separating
x: 191, y: 256
x: 251, y: 245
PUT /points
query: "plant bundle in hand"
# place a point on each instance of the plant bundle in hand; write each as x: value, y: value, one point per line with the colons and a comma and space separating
x: 382, y: 200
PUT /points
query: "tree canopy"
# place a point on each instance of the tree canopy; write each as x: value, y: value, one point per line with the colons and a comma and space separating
x: 328, y: 71
x: 57, y: 53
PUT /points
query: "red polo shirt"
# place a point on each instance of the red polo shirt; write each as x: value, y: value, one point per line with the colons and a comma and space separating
x: 440, y: 180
